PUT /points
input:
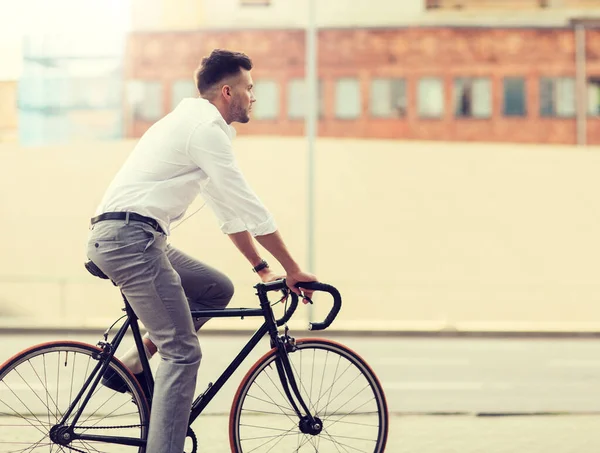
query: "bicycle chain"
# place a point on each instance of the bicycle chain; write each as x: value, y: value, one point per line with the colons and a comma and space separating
x: 100, y: 427
x: 111, y: 427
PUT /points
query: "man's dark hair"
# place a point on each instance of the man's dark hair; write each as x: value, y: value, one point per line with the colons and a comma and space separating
x: 218, y: 65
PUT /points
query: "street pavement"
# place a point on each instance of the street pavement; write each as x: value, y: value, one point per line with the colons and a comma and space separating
x: 444, y: 394
x: 460, y: 434
x: 427, y: 375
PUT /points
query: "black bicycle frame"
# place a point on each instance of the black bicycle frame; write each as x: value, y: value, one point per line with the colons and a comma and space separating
x: 270, y: 326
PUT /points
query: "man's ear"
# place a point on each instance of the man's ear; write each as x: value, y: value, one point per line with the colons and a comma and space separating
x: 226, y: 91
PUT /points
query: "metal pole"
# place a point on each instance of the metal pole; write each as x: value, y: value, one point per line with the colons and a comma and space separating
x: 311, y: 131
x: 580, y: 84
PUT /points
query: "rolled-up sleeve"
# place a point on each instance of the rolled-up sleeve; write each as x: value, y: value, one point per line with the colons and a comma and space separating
x: 227, y: 192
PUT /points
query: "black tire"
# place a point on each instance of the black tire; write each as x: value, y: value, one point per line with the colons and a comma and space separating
x: 38, y: 385
x: 262, y: 418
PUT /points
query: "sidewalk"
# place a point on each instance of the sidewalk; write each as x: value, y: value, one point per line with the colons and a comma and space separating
x: 436, y: 434
x: 235, y: 326
x: 458, y: 434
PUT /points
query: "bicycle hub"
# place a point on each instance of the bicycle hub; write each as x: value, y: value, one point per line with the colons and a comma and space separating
x: 61, y: 435
x: 306, y: 427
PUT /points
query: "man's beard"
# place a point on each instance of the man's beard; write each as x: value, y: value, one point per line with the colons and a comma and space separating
x: 239, y: 114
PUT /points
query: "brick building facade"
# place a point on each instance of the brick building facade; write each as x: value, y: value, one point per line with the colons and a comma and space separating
x: 454, y: 83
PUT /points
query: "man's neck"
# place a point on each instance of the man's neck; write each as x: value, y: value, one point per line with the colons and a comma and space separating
x: 220, y: 107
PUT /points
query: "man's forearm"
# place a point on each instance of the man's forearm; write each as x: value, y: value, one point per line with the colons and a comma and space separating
x: 275, y: 245
x: 245, y: 244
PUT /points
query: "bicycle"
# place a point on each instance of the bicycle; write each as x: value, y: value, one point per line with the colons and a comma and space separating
x: 341, y: 408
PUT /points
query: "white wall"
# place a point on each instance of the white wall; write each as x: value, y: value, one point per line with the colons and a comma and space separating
x: 415, y: 235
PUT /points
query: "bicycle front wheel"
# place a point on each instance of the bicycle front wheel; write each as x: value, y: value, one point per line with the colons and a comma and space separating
x: 38, y: 385
x: 338, y: 387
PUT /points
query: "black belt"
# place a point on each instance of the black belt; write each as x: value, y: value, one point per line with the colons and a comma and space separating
x: 128, y: 216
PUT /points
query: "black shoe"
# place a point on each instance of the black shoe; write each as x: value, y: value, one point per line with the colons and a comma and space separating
x: 113, y: 381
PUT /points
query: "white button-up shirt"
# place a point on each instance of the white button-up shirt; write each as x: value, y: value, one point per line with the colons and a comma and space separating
x: 187, y: 153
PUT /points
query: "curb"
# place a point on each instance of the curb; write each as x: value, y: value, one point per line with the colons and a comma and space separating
x: 539, y: 334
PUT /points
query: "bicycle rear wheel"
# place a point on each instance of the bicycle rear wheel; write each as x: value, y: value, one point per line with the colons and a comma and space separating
x: 38, y: 385
x: 338, y: 387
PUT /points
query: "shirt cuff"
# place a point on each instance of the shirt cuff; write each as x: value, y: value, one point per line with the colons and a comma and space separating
x: 267, y: 227
x: 233, y: 226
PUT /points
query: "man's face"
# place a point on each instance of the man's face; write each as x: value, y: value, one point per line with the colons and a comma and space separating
x: 242, y: 97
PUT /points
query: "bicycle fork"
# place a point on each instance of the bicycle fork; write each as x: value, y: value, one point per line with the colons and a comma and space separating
x: 308, y: 424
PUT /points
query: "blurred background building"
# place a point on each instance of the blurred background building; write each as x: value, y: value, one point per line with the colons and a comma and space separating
x: 453, y: 70
x: 71, y: 88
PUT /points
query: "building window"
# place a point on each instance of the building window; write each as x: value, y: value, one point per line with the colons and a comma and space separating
x: 266, y: 106
x: 347, y: 98
x: 145, y: 99
x: 182, y: 89
x: 297, y: 105
x: 431, y: 98
x: 514, y: 96
x: 593, y: 96
x: 388, y: 98
x: 472, y: 97
x: 557, y: 96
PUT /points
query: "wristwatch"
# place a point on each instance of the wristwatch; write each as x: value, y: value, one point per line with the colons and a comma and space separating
x: 260, y: 266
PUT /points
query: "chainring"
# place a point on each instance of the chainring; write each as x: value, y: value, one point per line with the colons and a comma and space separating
x: 192, y: 436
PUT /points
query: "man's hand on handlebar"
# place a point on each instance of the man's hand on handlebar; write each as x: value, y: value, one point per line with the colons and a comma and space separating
x: 292, y: 278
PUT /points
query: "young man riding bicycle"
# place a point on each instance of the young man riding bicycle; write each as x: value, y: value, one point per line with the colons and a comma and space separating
x: 186, y: 153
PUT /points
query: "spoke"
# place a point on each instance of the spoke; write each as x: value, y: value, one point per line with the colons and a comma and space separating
x: 343, y: 390
x: 280, y: 437
x: 269, y: 402
x: 335, y: 444
x: 330, y: 388
x: 300, y: 433
x: 316, y: 407
x: 100, y: 407
x: 31, y: 388
x: 356, y: 423
x: 285, y: 434
x: 37, y: 445
x: 57, y: 381
x: 355, y: 413
x: 353, y: 438
x: 322, y: 380
x: 88, y: 445
x: 266, y: 427
x: 277, y: 388
x: 302, y: 385
x: 29, y: 420
x: 29, y: 447
x: 83, y: 383
x: 107, y: 416
x: 45, y: 385
x: 349, y: 413
x: 341, y: 444
x: 312, y: 375
x: 38, y: 420
x: 72, y: 376
x: 306, y: 439
x: 264, y: 412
